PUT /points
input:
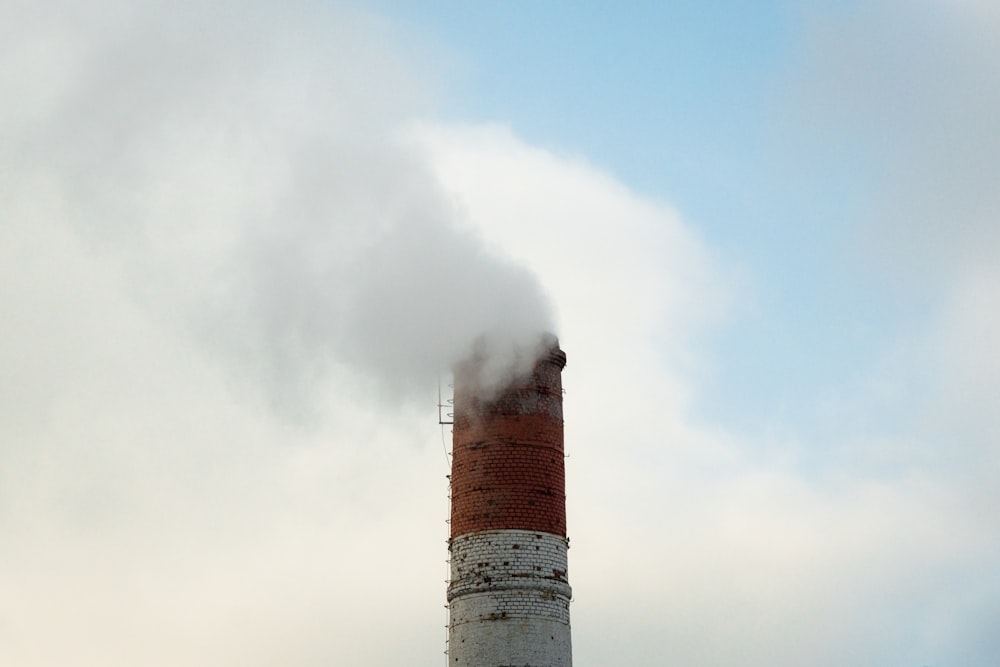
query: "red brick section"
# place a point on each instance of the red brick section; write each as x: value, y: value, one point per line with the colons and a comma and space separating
x: 508, y: 467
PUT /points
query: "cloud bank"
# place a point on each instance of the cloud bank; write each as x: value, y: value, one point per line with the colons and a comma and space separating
x: 206, y: 204
x: 248, y: 169
x: 721, y: 556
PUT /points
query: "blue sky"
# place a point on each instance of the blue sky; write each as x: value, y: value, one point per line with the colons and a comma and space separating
x: 703, y: 106
x: 242, y: 243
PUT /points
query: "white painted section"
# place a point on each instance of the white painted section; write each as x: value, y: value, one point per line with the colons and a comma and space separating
x: 509, y: 600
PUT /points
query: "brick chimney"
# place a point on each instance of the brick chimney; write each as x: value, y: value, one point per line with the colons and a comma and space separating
x: 509, y: 593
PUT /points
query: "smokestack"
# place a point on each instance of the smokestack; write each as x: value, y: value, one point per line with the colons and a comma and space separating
x: 509, y: 593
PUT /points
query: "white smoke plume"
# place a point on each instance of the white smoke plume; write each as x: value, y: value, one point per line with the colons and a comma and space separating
x: 248, y: 173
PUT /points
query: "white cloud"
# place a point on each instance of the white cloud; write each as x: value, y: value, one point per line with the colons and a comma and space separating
x: 181, y: 236
x: 244, y: 167
x: 686, y: 547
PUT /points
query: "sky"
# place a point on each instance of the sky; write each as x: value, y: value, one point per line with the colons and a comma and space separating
x: 242, y: 243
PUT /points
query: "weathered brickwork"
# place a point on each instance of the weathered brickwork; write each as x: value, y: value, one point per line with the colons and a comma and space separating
x: 505, y: 560
x: 509, y: 591
x: 532, y: 642
x: 508, y: 468
x: 509, y: 600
